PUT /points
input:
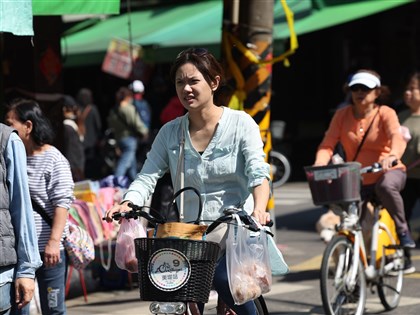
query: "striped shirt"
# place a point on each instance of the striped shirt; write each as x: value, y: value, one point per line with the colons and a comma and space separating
x: 51, y: 185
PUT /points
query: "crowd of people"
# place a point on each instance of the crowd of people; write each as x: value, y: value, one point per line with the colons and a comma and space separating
x: 222, y: 154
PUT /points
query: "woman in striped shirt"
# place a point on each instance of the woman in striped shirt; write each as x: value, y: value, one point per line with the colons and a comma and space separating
x: 51, y: 187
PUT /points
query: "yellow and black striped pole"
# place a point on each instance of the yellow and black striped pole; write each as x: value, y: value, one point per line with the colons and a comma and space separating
x: 247, y: 54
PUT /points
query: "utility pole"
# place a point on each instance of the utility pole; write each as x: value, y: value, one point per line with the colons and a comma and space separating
x: 247, y: 39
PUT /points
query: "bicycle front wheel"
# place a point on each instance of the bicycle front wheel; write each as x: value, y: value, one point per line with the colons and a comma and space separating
x: 391, y: 283
x: 261, y: 306
x: 280, y: 167
x: 338, y: 297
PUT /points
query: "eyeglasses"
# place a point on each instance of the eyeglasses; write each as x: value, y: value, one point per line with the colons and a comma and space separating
x: 360, y: 87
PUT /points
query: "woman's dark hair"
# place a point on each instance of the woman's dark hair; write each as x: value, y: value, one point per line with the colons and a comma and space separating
x: 415, y: 76
x: 84, y: 97
x: 203, y: 60
x: 42, y: 132
x: 122, y: 93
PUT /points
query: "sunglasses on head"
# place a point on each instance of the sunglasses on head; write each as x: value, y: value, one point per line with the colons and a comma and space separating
x: 195, y: 51
x: 360, y: 87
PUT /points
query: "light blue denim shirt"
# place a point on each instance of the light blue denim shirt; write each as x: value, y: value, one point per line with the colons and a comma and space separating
x: 224, y: 174
x: 21, y: 213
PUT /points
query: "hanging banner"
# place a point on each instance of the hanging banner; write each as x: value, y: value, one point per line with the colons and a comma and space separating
x: 118, y: 60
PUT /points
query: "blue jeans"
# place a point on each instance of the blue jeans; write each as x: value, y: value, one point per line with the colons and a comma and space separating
x: 51, y: 285
x: 6, y: 298
x: 127, y: 164
x: 221, y: 284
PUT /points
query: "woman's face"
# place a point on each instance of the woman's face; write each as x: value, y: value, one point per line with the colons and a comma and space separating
x: 23, y: 128
x: 363, y: 96
x: 412, y: 94
x: 192, y: 89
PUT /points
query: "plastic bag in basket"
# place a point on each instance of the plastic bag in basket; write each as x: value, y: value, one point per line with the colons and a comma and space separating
x: 125, y: 252
x: 248, y: 263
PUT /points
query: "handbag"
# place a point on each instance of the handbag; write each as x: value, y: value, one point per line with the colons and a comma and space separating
x: 78, y: 243
x: 193, y: 231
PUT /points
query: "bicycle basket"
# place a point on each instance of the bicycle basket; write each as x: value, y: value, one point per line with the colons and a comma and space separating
x: 334, y: 183
x: 175, y: 269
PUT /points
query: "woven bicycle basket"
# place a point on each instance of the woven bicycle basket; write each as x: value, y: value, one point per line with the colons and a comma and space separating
x: 175, y: 269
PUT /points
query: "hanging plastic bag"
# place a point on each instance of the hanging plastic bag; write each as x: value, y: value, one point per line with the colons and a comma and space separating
x: 125, y: 252
x: 248, y: 263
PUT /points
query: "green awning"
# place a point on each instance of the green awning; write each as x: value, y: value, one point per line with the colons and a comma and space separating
x: 60, y: 7
x: 164, y: 31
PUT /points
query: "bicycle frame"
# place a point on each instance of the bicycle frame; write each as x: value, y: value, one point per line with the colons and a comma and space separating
x: 346, y: 269
x: 352, y: 230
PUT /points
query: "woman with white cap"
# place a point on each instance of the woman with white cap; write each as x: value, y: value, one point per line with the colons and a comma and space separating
x: 370, y: 133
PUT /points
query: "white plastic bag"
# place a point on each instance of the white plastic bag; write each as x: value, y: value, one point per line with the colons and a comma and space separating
x: 125, y: 252
x: 248, y: 263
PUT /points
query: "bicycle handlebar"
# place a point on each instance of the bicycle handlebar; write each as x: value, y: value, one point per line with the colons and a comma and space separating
x: 137, y: 212
x: 248, y: 220
x: 375, y: 167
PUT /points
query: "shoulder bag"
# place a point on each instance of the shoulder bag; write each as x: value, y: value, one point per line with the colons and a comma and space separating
x: 78, y: 243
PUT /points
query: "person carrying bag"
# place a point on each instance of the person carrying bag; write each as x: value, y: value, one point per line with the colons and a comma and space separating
x: 78, y: 243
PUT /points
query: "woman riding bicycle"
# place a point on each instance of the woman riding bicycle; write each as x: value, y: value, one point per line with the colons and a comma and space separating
x: 371, y: 133
x: 224, y: 157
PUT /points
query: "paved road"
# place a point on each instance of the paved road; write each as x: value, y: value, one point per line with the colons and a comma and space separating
x: 293, y: 294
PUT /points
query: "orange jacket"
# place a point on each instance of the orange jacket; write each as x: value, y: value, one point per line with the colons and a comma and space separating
x: 383, y: 139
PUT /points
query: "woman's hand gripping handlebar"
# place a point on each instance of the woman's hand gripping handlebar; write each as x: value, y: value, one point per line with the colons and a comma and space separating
x: 249, y: 222
x: 123, y: 211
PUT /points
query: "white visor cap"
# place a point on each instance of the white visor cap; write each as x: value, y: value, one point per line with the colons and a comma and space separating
x: 366, y: 79
x: 137, y: 86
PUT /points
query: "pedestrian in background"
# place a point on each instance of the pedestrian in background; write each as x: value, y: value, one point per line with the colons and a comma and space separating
x: 141, y: 104
x: 51, y: 189
x: 73, y: 148
x: 410, y: 118
x: 89, y: 113
x: 172, y: 110
x: 19, y: 254
x: 370, y: 133
x: 128, y: 128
